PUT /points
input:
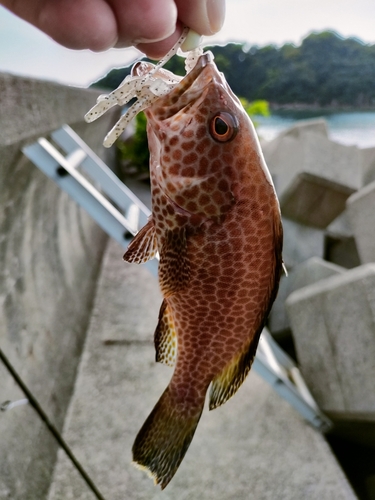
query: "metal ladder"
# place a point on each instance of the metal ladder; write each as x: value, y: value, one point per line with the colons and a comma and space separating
x: 121, y: 215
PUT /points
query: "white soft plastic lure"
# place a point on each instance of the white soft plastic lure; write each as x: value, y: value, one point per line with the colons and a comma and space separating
x: 147, y: 87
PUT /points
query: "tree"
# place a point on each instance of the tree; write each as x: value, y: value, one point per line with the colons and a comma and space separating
x: 325, y: 70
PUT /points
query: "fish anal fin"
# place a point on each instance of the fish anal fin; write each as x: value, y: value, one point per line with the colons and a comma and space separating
x: 164, y: 438
x: 174, y: 267
x: 143, y: 247
x: 227, y: 383
x: 165, y: 337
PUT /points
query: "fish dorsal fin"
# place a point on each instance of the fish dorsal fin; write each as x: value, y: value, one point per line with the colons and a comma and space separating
x: 174, y: 267
x: 165, y: 337
x: 143, y: 247
x: 227, y: 383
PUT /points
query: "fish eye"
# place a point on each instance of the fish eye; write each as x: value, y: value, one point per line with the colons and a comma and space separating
x: 223, y: 126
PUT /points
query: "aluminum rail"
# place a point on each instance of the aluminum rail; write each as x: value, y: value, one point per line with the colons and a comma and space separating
x: 121, y: 215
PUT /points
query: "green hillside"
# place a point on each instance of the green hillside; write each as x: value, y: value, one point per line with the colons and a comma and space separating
x: 326, y: 70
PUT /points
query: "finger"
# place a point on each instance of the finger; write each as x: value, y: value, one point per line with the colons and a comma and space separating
x: 206, y: 17
x: 144, y: 21
x: 158, y: 49
x: 76, y: 24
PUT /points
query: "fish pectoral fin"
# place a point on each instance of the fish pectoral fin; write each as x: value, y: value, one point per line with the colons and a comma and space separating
x: 165, y: 337
x: 227, y: 383
x: 174, y: 267
x: 143, y: 247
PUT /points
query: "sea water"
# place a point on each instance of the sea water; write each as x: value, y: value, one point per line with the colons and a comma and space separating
x: 350, y: 128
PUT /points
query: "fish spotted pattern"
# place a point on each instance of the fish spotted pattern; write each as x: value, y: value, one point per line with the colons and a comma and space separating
x: 216, y: 225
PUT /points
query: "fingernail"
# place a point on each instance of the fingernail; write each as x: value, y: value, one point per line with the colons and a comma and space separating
x: 215, y: 14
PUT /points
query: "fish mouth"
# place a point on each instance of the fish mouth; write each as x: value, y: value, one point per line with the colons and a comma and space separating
x: 190, y: 89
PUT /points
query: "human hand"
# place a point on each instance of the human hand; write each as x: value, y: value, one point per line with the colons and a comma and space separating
x: 153, y: 26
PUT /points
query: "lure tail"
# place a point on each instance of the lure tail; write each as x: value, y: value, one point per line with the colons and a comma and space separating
x: 165, y: 437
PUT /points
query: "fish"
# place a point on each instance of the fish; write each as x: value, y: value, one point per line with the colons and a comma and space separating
x: 217, y: 228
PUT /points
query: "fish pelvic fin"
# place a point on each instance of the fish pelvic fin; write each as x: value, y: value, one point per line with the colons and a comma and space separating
x: 143, y: 247
x: 227, y: 383
x: 165, y: 437
x: 174, y: 267
x: 165, y: 337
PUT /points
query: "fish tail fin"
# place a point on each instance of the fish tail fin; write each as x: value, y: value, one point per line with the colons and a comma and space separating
x: 165, y: 437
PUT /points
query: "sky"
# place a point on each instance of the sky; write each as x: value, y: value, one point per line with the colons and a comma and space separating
x: 26, y: 51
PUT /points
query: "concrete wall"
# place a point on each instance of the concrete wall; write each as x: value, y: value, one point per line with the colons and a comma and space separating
x: 50, y: 253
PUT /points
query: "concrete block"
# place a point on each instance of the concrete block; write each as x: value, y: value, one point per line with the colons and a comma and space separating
x: 361, y: 214
x: 284, y: 158
x: 316, y: 125
x: 50, y: 253
x: 340, y: 226
x: 254, y: 447
x: 301, y: 243
x: 314, y: 200
x: 367, y: 156
x: 333, y: 324
x: 310, y: 271
x: 315, y: 154
x: 341, y: 250
x: 339, y: 244
x: 17, y: 474
x: 313, y: 175
x: 30, y: 107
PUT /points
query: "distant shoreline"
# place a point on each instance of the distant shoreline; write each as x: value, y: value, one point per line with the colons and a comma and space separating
x: 313, y: 108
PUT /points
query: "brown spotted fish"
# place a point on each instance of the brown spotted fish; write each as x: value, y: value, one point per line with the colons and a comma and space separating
x: 216, y: 225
